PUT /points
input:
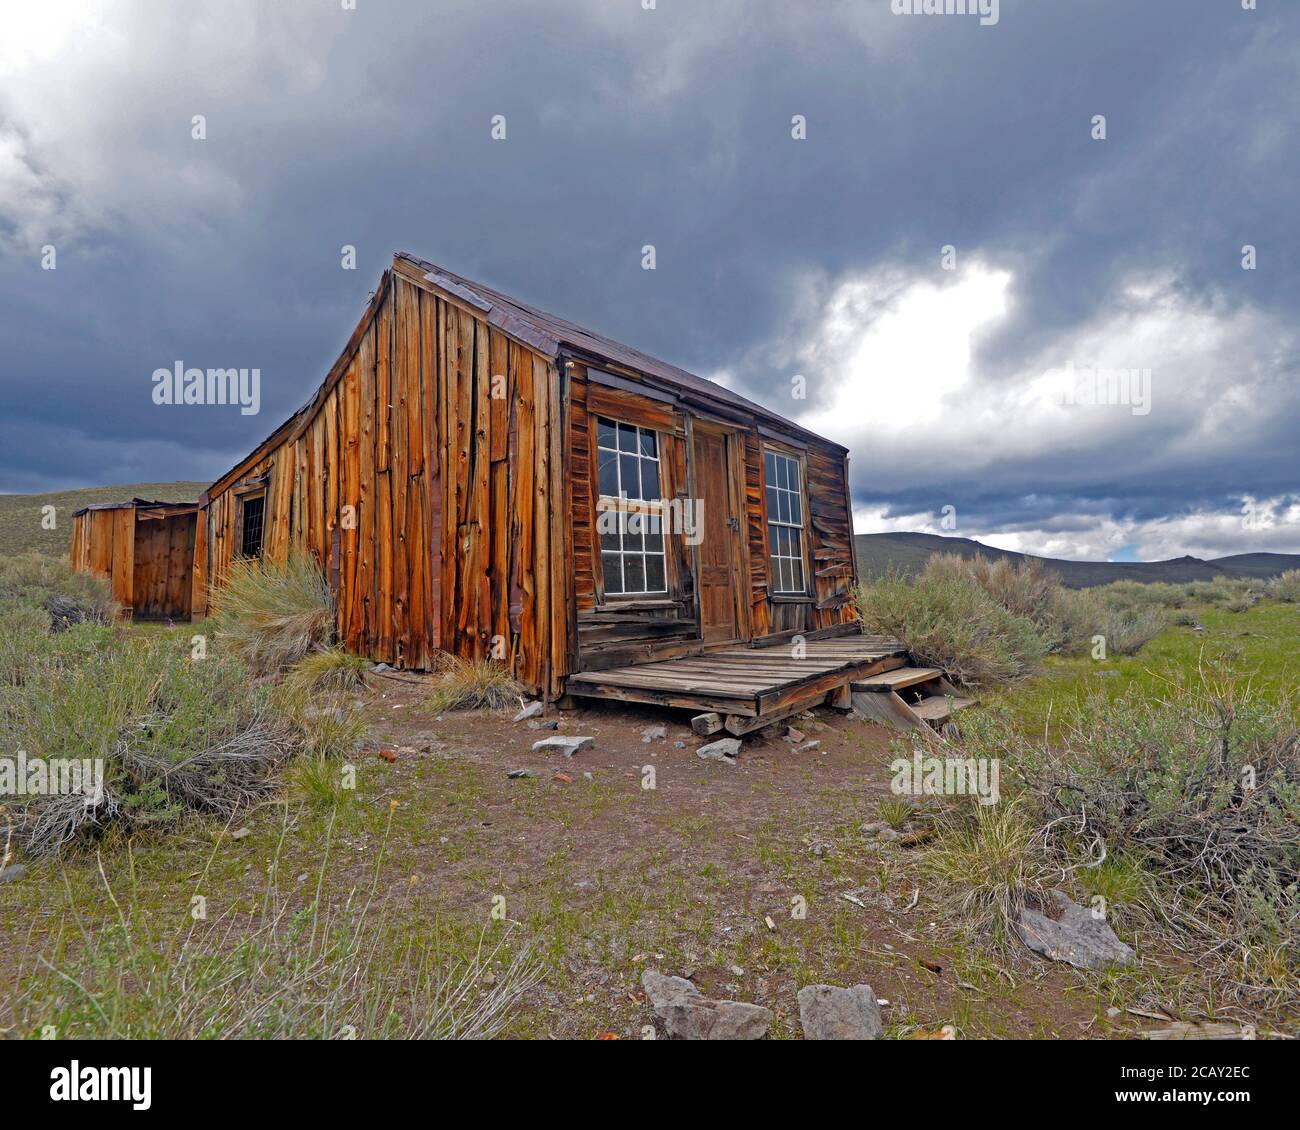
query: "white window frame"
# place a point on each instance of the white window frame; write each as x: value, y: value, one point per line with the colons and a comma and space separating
x: 774, y: 521
x: 645, y: 513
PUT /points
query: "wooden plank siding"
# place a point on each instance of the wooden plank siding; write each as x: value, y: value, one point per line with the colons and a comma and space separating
x: 146, y: 552
x: 434, y: 451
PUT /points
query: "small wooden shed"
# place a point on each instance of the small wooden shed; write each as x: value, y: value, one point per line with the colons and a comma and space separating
x: 479, y: 477
x: 145, y: 549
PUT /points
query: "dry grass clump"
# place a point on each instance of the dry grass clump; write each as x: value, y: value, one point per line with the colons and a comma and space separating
x: 326, y: 968
x: 270, y: 614
x: 474, y: 684
x: 331, y: 669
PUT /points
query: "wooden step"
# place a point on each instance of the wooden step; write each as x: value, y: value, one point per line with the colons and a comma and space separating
x: 939, y: 709
x: 897, y: 679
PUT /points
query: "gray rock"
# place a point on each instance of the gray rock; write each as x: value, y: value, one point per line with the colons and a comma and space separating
x: 382, y: 667
x: 830, y: 1013
x: 516, y: 774
x: 564, y: 745
x: 793, y: 736
x: 724, y: 749
x: 532, y: 710
x: 548, y: 724
x: 240, y: 833
x: 654, y: 733
x: 689, y: 1015
x: 679, y: 745
x: 1078, y: 937
x: 12, y: 872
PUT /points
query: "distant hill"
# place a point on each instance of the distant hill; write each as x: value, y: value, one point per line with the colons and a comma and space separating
x: 20, y: 514
x: 877, y: 553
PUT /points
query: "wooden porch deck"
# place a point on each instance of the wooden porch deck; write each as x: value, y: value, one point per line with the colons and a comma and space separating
x: 751, y: 686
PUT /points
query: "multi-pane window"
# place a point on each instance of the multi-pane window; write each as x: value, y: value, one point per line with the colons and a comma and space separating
x: 254, y: 508
x: 784, y: 522
x: 631, y: 539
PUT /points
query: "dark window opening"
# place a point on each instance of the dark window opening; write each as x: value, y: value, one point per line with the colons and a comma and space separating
x: 250, y: 543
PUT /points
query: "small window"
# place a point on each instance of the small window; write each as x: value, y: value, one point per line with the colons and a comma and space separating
x: 785, y: 522
x: 250, y: 540
x: 627, y: 459
x: 632, y: 553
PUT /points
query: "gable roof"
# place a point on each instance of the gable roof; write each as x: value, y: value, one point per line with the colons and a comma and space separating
x: 552, y: 335
x: 546, y: 334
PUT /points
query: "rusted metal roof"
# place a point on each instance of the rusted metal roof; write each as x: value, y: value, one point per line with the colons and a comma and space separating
x: 139, y: 504
x: 550, y: 335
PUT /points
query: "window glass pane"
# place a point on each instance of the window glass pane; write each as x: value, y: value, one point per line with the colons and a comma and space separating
x: 773, y: 533
x: 792, y: 471
x: 611, y: 564
x: 654, y: 573
x: 632, y: 536
x: 781, y: 474
x: 631, y: 476
x: 633, y: 572
x: 785, y: 574
x: 626, y: 437
x: 605, y: 435
x: 771, y: 503
x: 796, y: 509
x: 609, y: 534
x: 654, y: 541
x: 783, y: 500
x: 769, y: 468
x: 649, y: 478
x: 796, y: 576
x: 649, y: 446
x: 608, y: 473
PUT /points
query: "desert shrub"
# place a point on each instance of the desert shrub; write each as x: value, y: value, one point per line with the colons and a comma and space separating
x: 1287, y: 586
x: 473, y: 684
x: 1128, y: 631
x: 173, y: 735
x: 269, y: 614
x: 23, y: 633
x: 49, y: 583
x: 1127, y: 596
x: 1200, y: 790
x: 947, y: 620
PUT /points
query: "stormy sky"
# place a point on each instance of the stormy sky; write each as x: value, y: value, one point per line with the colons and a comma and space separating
x: 951, y: 259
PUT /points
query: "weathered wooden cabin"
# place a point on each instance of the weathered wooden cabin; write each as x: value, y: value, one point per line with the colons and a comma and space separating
x: 145, y: 549
x: 478, y: 477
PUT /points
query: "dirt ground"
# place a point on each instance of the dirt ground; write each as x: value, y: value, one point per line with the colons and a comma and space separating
x: 704, y: 875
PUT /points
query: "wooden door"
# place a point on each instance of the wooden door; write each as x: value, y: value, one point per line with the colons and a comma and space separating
x: 716, y: 553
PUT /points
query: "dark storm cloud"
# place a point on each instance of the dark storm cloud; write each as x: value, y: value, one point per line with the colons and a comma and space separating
x: 626, y: 127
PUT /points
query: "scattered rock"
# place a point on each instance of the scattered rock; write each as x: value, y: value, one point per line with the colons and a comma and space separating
x: 549, y: 724
x: 724, y: 749
x: 516, y: 774
x: 689, y: 1015
x: 1079, y: 937
x: 532, y: 710
x: 679, y: 745
x: 12, y: 872
x: 382, y: 667
x: 830, y: 1013
x: 888, y: 834
x: 654, y: 733
x: 874, y: 828
x: 793, y: 736
x: 564, y: 777
x: 808, y: 747
x: 241, y: 833
x: 566, y: 746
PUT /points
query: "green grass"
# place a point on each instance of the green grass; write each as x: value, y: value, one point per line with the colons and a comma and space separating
x: 21, y: 515
x: 1260, y: 643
